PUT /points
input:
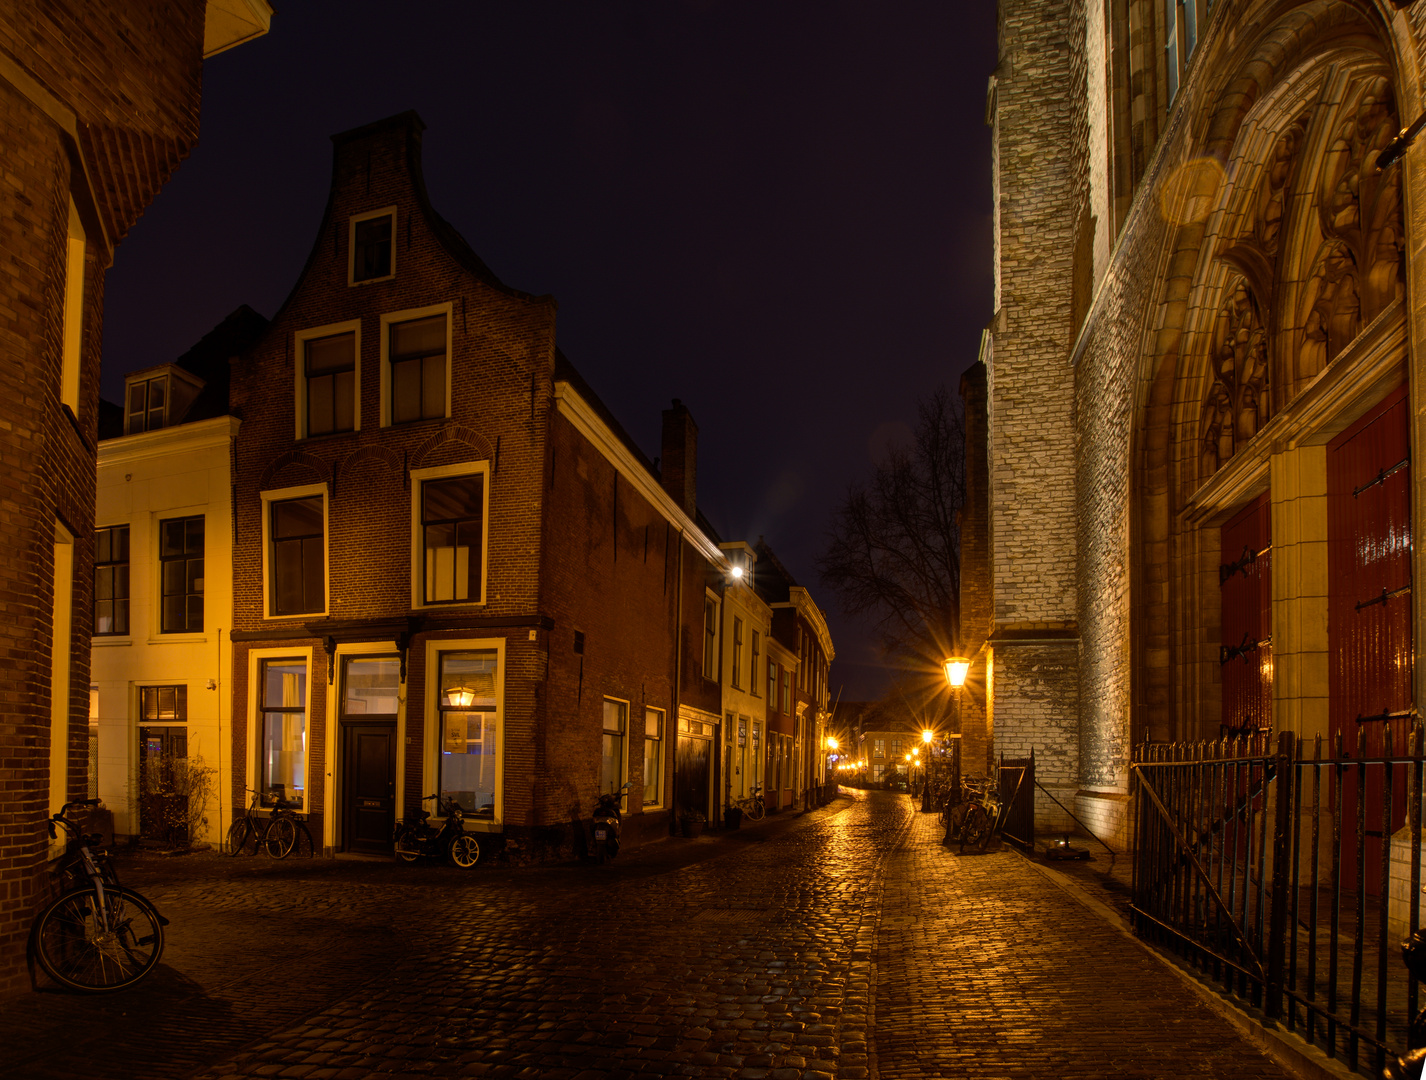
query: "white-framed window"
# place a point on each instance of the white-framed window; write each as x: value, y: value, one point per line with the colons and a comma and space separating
x: 467, y: 706
x: 879, y: 747
x: 613, y: 746
x: 111, y: 580
x: 280, y: 725
x: 416, y: 364
x: 755, y: 758
x: 180, y: 557
x: 710, y: 638
x: 653, y: 756
x: 73, y: 312
x: 753, y: 666
x: 328, y: 379
x: 294, y: 544
x: 772, y: 669
x: 450, y: 505
x: 737, y: 678
x: 148, y: 404
x: 371, y: 246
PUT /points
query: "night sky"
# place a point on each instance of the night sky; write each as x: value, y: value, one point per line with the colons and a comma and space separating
x: 777, y: 212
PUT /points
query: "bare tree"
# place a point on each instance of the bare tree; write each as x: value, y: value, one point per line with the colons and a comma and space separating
x: 893, y: 548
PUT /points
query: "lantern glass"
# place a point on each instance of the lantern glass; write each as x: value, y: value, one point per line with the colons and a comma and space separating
x: 957, y: 668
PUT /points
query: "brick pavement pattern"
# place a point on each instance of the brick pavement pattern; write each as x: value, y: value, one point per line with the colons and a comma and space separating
x: 842, y: 943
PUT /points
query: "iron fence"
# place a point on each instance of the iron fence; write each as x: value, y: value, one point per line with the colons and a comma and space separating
x: 1271, y: 871
x: 1017, y: 794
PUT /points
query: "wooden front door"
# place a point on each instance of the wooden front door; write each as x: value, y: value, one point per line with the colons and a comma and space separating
x: 163, y: 796
x: 693, y: 766
x: 369, y: 786
x: 1369, y: 636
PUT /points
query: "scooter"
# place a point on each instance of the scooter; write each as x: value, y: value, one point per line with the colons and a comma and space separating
x: 607, y: 823
x: 416, y: 837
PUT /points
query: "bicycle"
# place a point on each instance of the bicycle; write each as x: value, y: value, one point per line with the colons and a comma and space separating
x: 975, y: 818
x: 753, y: 807
x: 278, y: 835
x: 96, y: 936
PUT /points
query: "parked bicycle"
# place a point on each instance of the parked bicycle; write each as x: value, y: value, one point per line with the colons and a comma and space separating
x: 96, y: 936
x: 278, y: 835
x: 974, y: 820
x: 753, y: 807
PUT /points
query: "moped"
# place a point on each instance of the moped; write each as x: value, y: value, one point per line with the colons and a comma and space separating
x: 607, y: 823
x: 417, y: 838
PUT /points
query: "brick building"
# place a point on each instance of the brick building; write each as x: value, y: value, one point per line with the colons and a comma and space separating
x: 454, y: 571
x: 95, y: 117
x: 1200, y: 383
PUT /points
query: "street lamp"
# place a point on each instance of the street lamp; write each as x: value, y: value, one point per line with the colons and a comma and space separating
x: 957, y: 669
x: 927, y: 736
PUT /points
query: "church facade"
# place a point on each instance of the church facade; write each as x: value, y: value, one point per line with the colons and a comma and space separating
x: 1201, y: 381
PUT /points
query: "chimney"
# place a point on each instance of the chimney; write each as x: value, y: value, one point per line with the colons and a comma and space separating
x: 679, y: 465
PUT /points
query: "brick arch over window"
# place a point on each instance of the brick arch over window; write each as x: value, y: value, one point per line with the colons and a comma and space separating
x: 367, y: 457
x: 1208, y: 289
x: 451, y: 437
x: 294, y: 468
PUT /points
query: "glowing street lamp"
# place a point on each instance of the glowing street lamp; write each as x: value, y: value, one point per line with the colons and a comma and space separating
x: 957, y: 669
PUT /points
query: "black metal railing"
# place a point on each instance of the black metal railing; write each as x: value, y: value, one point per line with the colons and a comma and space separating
x: 1017, y: 795
x: 1270, y: 871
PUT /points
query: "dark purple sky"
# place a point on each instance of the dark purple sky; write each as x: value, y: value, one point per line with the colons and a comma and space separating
x: 778, y: 212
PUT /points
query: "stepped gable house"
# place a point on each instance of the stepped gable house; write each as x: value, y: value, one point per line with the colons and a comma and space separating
x: 98, y: 105
x: 454, y: 572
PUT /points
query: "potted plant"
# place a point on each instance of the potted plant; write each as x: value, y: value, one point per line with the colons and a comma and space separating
x: 691, y: 823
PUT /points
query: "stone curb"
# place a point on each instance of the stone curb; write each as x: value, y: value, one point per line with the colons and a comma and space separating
x: 1288, y: 1049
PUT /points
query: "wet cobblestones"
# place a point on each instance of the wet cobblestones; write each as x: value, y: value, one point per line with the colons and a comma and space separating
x: 842, y: 944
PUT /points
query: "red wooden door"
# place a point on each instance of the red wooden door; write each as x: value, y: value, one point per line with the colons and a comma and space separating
x: 1246, y: 653
x: 1369, y: 609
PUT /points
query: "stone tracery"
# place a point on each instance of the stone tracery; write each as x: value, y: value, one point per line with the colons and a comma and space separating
x: 1238, y: 402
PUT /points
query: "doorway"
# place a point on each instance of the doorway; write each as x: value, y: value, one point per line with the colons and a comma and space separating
x: 163, y: 794
x: 369, y: 798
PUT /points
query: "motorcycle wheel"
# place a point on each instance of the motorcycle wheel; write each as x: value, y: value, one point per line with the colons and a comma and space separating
x: 403, y: 855
x: 464, y: 851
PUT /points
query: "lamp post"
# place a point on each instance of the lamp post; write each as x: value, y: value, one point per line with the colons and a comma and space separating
x: 927, y: 737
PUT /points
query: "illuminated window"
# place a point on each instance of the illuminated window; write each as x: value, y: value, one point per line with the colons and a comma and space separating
x: 181, y: 566
x: 468, y: 713
x: 453, y: 527
x: 282, y: 746
x: 111, y: 580
x: 653, y: 756
x: 611, y: 746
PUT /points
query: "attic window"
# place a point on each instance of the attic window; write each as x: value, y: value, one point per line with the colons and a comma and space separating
x: 148, y: 404
x: 372, y: 254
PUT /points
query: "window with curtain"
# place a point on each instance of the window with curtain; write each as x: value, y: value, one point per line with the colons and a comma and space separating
x: 282, y: 749
x: 452, y: 525
x: 611, y: 749
x: 653, y: 756
x: 469, y: 714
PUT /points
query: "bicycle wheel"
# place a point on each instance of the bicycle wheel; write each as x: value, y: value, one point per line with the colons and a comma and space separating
x: 757, y: 809
x: 280, y: 836
x: 90, y: 951
x: 238, y: 833
x: 303, y: 847
x: 976, y: 833
x: 465, y: 851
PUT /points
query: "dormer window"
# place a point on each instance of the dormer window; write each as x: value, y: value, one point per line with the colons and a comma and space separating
x: 158, y: 397
x: 148, y: 404
x: 372, y: 251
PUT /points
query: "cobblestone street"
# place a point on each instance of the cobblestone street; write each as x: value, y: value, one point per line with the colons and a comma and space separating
x: 842, y: 943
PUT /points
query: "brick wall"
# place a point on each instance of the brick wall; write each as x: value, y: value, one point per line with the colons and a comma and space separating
x: 119, y: 91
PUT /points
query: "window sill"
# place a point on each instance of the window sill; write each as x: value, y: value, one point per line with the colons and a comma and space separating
x: 299, y: 617
x: 177, y: 639
x: 453, y: 605
x: 100, y: 641
x: 329, y: 436
x: 414, y: 425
